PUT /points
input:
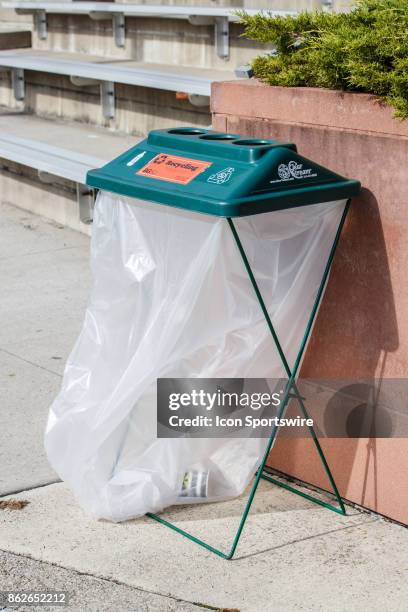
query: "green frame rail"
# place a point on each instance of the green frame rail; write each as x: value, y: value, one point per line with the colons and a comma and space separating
x: 291, y: 391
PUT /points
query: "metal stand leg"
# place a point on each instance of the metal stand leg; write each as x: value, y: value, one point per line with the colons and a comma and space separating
x: 290, y: 386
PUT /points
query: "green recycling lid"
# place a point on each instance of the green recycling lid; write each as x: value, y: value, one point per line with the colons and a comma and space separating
x: 220, y: 174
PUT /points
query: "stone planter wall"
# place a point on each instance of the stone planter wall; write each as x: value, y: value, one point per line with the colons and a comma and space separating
x: 362, y: 325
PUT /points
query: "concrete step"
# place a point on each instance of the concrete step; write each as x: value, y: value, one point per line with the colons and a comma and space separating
x: 49, y: 91
x: 41, y: 163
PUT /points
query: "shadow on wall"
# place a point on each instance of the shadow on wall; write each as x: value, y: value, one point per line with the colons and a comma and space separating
x: 355, y: 330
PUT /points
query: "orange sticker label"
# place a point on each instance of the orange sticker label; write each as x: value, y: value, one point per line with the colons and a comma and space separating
x: 173, y: 168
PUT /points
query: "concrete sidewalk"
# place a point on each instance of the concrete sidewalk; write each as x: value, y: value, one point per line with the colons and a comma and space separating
x: 293, y: 554
x: 44, y: 276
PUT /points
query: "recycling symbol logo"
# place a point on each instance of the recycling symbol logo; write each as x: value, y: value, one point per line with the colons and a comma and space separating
x: 223, y: 176
x: 284, y: 171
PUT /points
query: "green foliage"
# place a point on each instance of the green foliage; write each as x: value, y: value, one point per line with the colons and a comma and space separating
x: 364, y: 50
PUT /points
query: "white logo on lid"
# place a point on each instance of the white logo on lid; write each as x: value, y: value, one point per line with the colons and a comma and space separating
x: 136, y: 158
x: 223, y: 176
x: 293, y: 170
x: 283, y: 171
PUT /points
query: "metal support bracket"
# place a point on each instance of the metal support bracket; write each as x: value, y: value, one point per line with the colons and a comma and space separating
x: 244, y: 72
x: 222, y: 37
x: 199, y: 100
x: 17, y: 80
x: 100, y: 15
x: 107, y: 89
x: 86, y: 202
x: 119, y: 33
x: 221, y: 31
x: 40, y: 18
x: 79, y: 81
x: 46, y: 177
x: 84, y: 194
x: 327, y: 5
x: 201, y: 20
x: 118, y: 24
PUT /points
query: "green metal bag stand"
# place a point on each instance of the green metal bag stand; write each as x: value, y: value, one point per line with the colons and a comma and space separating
x: 191, y: 183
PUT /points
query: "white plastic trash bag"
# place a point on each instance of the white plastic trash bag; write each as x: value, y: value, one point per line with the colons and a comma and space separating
x: 171, y: 298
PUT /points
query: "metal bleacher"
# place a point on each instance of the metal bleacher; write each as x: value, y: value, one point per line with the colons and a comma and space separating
x: 65, y: 109
x: 196, y: 84
x: 53, y: 151
x: 219, y: 17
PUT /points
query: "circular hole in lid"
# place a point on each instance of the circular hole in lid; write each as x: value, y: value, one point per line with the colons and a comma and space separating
x: 218, y: 137
x: 187, y: 131
x: 252, y: 143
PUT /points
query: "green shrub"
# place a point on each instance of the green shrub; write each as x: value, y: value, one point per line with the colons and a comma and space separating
x: 365, y: 50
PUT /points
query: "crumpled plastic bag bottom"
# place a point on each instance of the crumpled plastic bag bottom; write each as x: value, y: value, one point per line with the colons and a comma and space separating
x: 171, y: 298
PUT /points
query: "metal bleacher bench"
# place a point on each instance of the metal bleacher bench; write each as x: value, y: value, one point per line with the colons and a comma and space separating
x: 195, y: 82
x: 219, y: 17
x: 59, y: 150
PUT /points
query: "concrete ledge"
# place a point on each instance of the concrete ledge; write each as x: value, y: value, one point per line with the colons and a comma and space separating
x: 306, y: 106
